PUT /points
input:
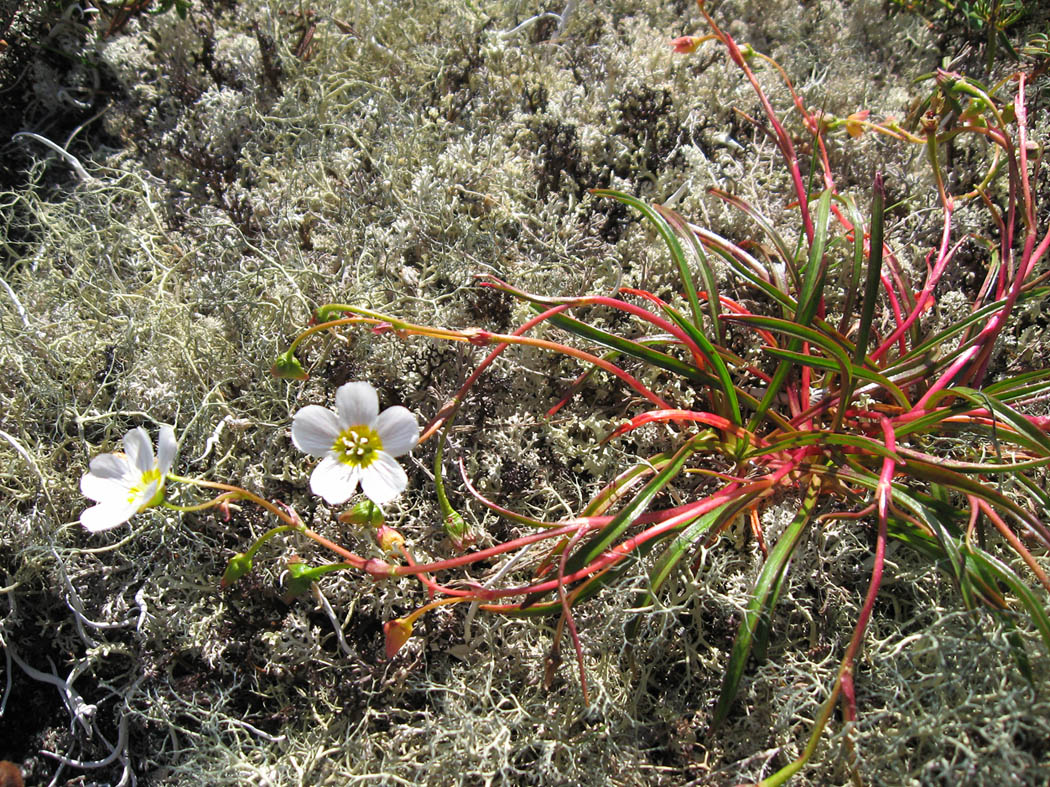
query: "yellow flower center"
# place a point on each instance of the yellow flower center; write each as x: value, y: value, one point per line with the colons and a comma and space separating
x: 147, y: 478
x: 357, y: 446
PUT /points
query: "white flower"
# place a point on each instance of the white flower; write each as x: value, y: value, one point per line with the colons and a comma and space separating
x: 357, y: 443
x: 124, y: 484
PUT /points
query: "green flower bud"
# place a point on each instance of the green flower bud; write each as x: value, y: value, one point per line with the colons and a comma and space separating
x: 366, y: 514
x: 300, y: 577
x: 458, y: 531
x: 327, y: 313
x: 287, y: 367
x: 239, y: 565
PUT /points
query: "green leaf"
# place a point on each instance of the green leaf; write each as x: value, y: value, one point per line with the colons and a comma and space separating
x: 619, y: 486
x: 764, y: 224
x: 1020, y: 424
x: 681, y: 544
x: 806, y: 309
x: 707, y: 272
x: 941, y: 521
x: 799, y: 333
x: 860, y: 372
x: 635, y: 349
x: 799, y: 439
x: 588, y: 587
x: 816, y: 267
x: 759, y: 610
x: 1019, y: 386
x: 609, y: 534
x: 935, y: 344
x: 979, y: 468
x: 745, y: 266
x: 850, y: 278
x: 669, y: 237
x: 725, y: 382
x: 1035, y: 607
x: 871, y: 281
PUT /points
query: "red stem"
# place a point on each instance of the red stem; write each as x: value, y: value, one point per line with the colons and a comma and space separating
x: 783, y: 140
x: 883, y: 492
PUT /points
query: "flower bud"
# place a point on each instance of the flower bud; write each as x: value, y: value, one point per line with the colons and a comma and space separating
x: 482, y: 593
x: 458, y: 531
x: 929, y: 122
x: 389, y: 539
x: 287, y: 367
x: 397, y: 633
x: 366, y: 514
x: 379, y: 569
x: 300, y: 577
x: 479, y: 337
x: 948, y: 79
x: 326, y: 314
x: 239, y: 565
x: 685, y: 45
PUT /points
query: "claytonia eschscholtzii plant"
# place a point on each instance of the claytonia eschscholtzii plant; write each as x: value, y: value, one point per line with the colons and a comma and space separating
x: 356, y: 443
x: 856, y: 405
x: 848, y: 409
x: 124, y: 484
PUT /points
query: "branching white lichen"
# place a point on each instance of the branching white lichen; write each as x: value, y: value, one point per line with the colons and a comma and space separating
x: 418, y: 144
x: 68, y: 157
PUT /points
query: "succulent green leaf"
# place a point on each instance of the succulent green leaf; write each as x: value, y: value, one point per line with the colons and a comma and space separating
x: 758, y: 615
x: 608, y: 535
x: 669, y: 237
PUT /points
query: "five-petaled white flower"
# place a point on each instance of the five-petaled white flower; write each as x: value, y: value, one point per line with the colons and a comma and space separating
x: 124, y: 484
x: 357, y: 443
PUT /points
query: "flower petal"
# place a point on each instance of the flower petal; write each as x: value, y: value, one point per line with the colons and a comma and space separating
x: 334, y: 481
x: 105, y: 516
x: 111, y: 466
x: 357, y: 404
x: 104, y: 489
x: 314, y: 429
x: 166, y: 448
x: 398, y: 430
x: 139, y: 449
x: 384, y: 479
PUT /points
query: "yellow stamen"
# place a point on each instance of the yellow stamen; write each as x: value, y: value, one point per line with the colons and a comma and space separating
x: 357, y: 446
x: 147, y: 478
